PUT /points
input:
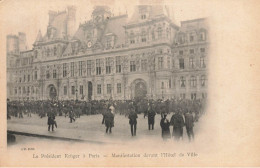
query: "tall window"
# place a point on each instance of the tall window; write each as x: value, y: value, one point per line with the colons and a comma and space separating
x: 54, y: 50
x: 73, y: 90
x: 132, y: 38
x: 108, y: 67
x: 54, y: 74
x: 202, y: 36
x: 109, y: 39
x: 191, y: 38
x: 193, y: 81
x: 72, y: 69
x: 65, y: 90
x: 143, y: 16
x: 35, y: 75
x: 181, y: 52
x: 183, y: 81
x: 191, y: 51
x: 203, y: 80
x: 132, y: 66
x: 118, y: 88
x: 144, y: 65
x: 88, y: 67
x: 29, y: 78
x: 181, y: 38
x: 48, y: 52
x: 118, y: 64
x: 15, y: 91
x: 202, y: 62
x: 108, y: 88
x: 64, y: 69
x: 191, y: 60
x: 153, y: 35
x: 160, y: 62
x: 98, y: 89
x: 168, y: 62
x: 159, y: 32
x: 143, y: 36
x: 47, y: 74
x: 98, y: 67
x: 19, y: 90
x: 80, y: 68
x: 81, y: 89
x: 181, y: 63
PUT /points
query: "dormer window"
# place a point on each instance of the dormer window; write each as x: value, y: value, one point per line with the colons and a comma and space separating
x: 202, y: 36
x: 109, y: 42
x: 132, y: 38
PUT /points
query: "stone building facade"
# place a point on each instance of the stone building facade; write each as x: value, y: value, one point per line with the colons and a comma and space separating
x: 111, y: 57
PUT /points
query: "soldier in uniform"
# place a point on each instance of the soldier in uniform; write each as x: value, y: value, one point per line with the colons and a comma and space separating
x: 151, y: 116
x: 109, y: 121
x: 71, y: 115
x: 133, y: 121
x: 51, y: 122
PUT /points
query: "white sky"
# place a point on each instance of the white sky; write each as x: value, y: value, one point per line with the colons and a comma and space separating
x: 30, y: 16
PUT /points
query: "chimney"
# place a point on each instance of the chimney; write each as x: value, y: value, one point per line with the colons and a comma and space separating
x: 71, y: 22
x: 52, y: 15
x: 12, y: 44
x: 22, y: 41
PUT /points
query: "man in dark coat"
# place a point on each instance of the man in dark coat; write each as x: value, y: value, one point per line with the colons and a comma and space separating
x: 151, y: 116
x: 178, y: 123
x: 109, y: 121
x: 51, y: 122
x: 189, y: 123
x: 71, y: 115
x: 165, y: 125
x: 133, y: 121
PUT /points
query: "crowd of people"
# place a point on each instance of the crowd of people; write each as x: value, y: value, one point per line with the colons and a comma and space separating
x: 185, y: 112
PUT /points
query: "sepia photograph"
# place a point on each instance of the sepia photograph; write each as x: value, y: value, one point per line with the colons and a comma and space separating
x: 111, y: 83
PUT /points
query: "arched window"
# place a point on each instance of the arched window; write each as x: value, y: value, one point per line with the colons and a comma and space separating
x: 159, y: 31
x: 202, y: 35
x: 54, y: 50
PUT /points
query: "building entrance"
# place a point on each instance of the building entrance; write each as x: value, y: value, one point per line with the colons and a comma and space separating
x: 139, y: 88
x: 52, y: 92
